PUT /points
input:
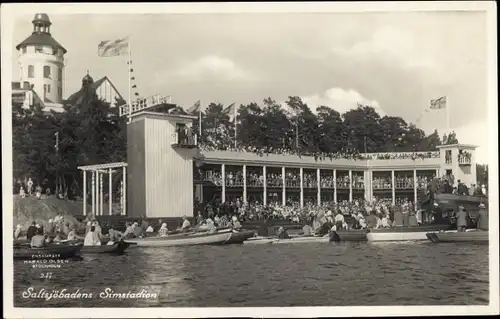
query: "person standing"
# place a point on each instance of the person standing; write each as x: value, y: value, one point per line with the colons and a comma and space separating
x: 461, y: 219
x: 29, y: 184
x: 482, y: 218
x: 31, y: 231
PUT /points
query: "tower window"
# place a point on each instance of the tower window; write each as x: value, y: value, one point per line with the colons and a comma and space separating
x: 24, y: 49
x: 54, y: 51
x: 46, y: 71
x: 39, y: 49
x: 60, y: 73
x: 31, y: 71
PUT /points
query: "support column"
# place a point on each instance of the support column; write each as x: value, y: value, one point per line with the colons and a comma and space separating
x: 437, y: 173
x: 283, y: 195
x: 94, y: 184
x: 264, y: 172
x: 301, y: 187
x: 335, y: 185
x: 110, y: 200
x: 393, y: 188
x: 415, y: 189
x: 122, y: 199
x: 244, y: 183
x: 84, y: 193
x: 318, y: 178
x: 223, y: 173
x: 370, y: 187
x: 124, y: 190
x: 350, y: 185
x: 101, y: 193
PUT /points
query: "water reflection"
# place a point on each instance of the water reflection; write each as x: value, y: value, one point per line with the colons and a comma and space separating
x: 276, y: 275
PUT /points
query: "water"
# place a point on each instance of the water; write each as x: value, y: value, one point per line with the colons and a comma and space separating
x: 346, y: 274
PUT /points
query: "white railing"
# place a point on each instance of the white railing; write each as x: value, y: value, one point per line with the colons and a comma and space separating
x: 400, y: 155
x: 463, y: 159
x: 144, y: 103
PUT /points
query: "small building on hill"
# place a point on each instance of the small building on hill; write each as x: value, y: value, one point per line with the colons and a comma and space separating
x: 103, y: 88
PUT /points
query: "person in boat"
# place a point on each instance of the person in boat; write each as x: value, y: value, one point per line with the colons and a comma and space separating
x: 114, y: 236
x: 38, y: 240
x: 210, y: 226
x: 461, y: 219
x: 186, y: 225
x: 138, y: 231
x: 17, y: 232
x: 307, y: 230
x: 385, y: 221
x: 129, y: 231
x: 163, y: 231
x: 339, y: 220
x: 482, y: 218
x: 72, y: 236
x: 58, y: 238
x: 236, y: 222
x: 371, y: 220
x: 91, y: 239
x: 283, y: 233
x: 31, y: 231
x: 50, y: 227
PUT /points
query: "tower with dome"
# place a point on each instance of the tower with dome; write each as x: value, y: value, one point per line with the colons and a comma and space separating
x: 41, y: 62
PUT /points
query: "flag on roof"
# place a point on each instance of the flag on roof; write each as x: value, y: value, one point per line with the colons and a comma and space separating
x: 110, y: 48
x: 439, y: 103
x: 195, y: 108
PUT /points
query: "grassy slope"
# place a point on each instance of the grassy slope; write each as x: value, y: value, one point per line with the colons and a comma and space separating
x: 27, y: 210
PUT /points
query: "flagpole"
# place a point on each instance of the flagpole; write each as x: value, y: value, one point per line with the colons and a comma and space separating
x: 129, y: 82
x: 447, y: 108
x: 199, y: 121
x: 234, y: 126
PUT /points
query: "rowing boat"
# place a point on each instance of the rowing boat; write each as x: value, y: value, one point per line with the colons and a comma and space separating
x: 403, y: 233
x: 292, y: 240
x: 239, y: 236
x: 51, y: 251
x: 473, y: 236
x: 187, y: 239
x: 351, y: 235
x: 114, y: 249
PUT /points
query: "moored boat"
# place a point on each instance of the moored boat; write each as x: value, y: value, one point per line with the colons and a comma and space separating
x: 239, y: 236
x: 51, y: 251
x: 473, y: 236
x: 292, y: 240
x: 115, y: 249
x: 352, y: 235
x: 404, y: 233
x: 187, y: 239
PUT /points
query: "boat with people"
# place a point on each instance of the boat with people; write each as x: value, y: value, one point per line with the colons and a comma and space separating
x: 470, y: 236
x: 185, y: 239
x: 50, y: 251
x: 239, y: 236
x: 116, y: 248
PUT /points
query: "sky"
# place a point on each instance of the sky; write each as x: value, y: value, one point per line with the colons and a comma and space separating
x: 394, y: 61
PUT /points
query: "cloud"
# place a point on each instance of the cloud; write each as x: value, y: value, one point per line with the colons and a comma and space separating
x: 391, y: 44
x: 340, y: 100
x: 212, y: 67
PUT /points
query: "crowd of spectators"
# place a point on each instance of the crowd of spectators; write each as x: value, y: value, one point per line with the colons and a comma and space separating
x: 294, y: 214
x: 292, y: 180
x: 345, y: 154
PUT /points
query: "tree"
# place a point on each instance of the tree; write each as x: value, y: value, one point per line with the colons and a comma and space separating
x: 330, y: 130
x: 363, y: 124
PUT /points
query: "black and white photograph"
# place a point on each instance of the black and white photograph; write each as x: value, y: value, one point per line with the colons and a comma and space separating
x: 249, y: 159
